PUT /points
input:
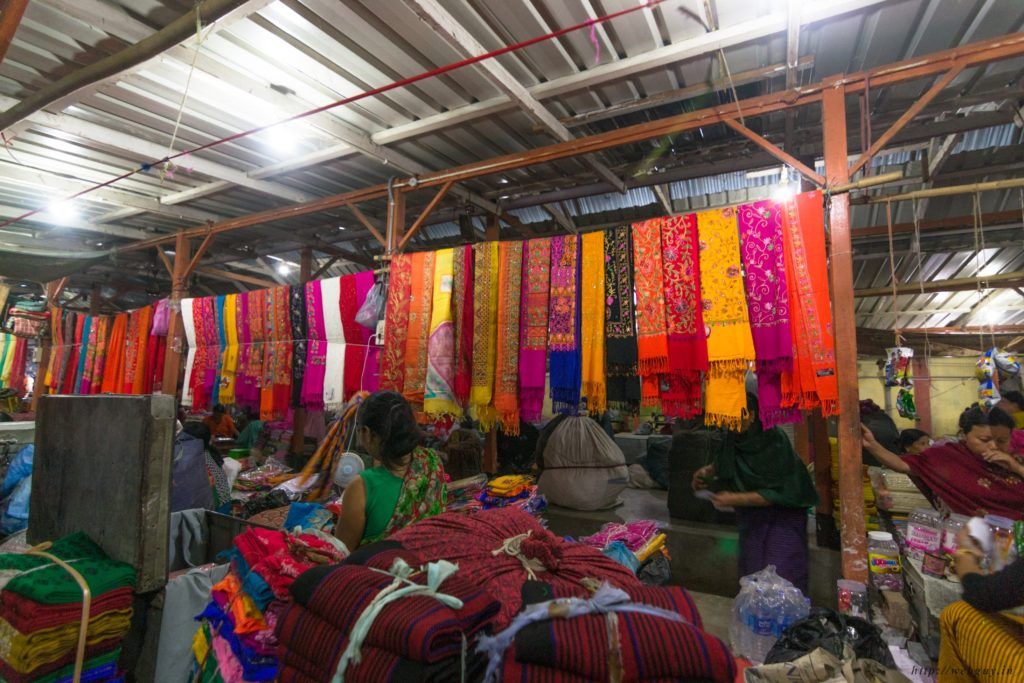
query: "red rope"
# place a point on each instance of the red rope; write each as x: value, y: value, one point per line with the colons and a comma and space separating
x: 355, y: 98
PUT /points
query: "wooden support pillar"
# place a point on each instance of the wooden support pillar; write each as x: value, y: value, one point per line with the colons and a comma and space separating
x: 175, y: 328
x: 95, y: 299
x: 396, y: 222
x: 922, y: 377
x: 821, y: 454
x: 298, y: 442
x: 851, y: 492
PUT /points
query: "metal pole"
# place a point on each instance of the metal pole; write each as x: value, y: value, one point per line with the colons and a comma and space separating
x: 175, y: 329
x: 851, y: 491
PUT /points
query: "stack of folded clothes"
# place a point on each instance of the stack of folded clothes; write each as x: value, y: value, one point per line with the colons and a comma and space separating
x: 415, y: 637
x: 41, y: 610
x: 512, y: 491
x: 236, y: 639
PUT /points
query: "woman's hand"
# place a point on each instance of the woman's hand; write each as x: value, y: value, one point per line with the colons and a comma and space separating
x: 700, y: 477
x: 734, y: 499
x: 867, y: 438
x: 1004, y: 460
x: 967, y: 559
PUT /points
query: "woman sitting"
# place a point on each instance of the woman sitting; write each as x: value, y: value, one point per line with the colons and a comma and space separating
x: 758, y: 473
x: 971, y: 477
x: 914, y: 441
x: 979, y: 645
x: 407, y: 486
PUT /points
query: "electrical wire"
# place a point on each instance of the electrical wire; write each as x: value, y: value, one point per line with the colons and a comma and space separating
x: 401, y: 83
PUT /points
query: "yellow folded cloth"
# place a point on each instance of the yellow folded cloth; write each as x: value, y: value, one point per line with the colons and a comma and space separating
x: 26, y: 653
x: 508, y: 485
x: 652, y: 546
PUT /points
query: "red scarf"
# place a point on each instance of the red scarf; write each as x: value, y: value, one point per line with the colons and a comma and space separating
x: 680, y: 388
x: 396, y: 325
x: 967, y: 484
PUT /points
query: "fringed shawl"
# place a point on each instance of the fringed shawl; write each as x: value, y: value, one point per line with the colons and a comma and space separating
x: 462, y: 316
x: 396, y: 324
x: 652, y: 336
x: 334, y: 332
x: 592, y: 318
x: 506, y: 379
x: 419, y: 327
x: 297, y: 316
x: 439, y: 399
x: 564, y: 324
x: 620, y: 322
x: 533, y: 333
x: 316, y: 348
x: 354, y: 289
x: 814, y: 371
x: 730, y: 345
x: 229, y: 362
x: 485, y: 333
x: 687, y: 336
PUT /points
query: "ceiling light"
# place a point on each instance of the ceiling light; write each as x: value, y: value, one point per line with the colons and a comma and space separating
x: 504, y: 196
x: 62, y: 212
x: 283, y: 269
x: 503, y: 181
x: 784, y: 192
x: 341, y: 227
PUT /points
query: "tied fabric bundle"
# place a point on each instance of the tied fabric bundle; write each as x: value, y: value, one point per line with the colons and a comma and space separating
x: 620, y: 322
x: 485, y: 333
x: 680, y: 388
x: 730, y: 345
x: 592, y: 317
x: 533, y: 333
x: 462, y: 314
x: 506, y: 388
x: 652, y: 336
x: 440, y: 390
x: 564, y: 324
x: 422, y: 280
x: 768, y: 306
x: 396, y: 324
x: 812, y: 382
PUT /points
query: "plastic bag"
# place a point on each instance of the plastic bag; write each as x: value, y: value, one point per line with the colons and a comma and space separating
x: 1007, y: 363
x: 905, y: 403
x: 828, y: 629
x: 897, y: 365
x: 988, y: 394
x: 986, y: 365
x: 372, y: 310
x: 765, y: 608
x: 20, y: 467
x: 657, y: 571
x: 618, y: 551
x: 15, y: 515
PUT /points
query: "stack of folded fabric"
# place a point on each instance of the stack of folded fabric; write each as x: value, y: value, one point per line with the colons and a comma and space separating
x: 514, y: 491
x: 236, y: 639
x: 635, y: 634
x: 41, y: 611
x: 463, y: 492
x: 426, y: 634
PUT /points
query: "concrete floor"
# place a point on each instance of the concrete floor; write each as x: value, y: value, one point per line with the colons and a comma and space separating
x: 716, y: 612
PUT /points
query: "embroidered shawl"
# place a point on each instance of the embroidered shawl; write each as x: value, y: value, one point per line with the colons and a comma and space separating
x: 533, y: 333
x: 652, y: 336
x: 462, y: 316
x: 485, y: 333
x: 334, y: 360
x: 396, y: 324
x: 439, y: 398
x: 730, y: 344
x: 354, y: 289
x: 564, y: 324
x: 422, y: 280
x: 620, y: 322
x: 316, y: 348
x: 966, y: 483
x: 256, y: 305
x: 115, y: 354
x: 229, y: 362
x: 506, y: 379
x: 764, y: 265
x: 100, y: 358
x: 90, y: 355
x: 812, y: 383
x: 592, y: 318
x: 297, y: 316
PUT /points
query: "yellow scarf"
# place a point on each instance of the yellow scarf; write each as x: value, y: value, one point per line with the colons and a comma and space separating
x: 8, y: 353
x: 229, y: 359
x: 485, y: 333
x: 594, y: 388
x: 439, y: 396
x: 730, y: 343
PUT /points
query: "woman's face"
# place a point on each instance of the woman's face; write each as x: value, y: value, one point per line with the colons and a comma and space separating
x: 920, y: 445
x: 1001, y: 437
x: 369, y: 441
x: 980, y: 440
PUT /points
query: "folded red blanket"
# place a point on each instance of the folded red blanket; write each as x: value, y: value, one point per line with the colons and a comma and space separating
x: 28, y: 616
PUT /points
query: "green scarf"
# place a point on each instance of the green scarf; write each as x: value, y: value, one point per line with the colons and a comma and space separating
x: 763, y: 461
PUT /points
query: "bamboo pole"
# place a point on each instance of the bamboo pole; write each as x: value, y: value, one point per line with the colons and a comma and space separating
x: 970, y: 188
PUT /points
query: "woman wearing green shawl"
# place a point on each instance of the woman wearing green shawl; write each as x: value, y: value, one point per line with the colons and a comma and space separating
x: 758, y: 473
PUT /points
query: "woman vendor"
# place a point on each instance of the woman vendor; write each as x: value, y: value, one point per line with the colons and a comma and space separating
x: 758, y: 473
x: 971, y: 476
x: 914, y: 441
x: 979, y: 645
x: 408, y: 484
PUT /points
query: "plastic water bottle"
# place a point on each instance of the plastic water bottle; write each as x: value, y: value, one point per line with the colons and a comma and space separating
x: 764, y: 623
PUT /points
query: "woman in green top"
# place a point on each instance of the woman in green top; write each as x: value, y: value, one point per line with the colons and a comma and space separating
x: 409, y: 483
x: 758, y: 473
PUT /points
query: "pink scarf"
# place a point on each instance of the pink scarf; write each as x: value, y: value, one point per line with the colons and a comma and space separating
x: 533, y: 332
x: 763, y: 256
x: 354, y: 289
x: 316, y: 349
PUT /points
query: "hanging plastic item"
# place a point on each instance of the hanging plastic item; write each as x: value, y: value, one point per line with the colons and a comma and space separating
x: 988, y: 393
x: 1007, y: 363
x: 985, y: 368
x: 905, y: 403
x: 897, y: 365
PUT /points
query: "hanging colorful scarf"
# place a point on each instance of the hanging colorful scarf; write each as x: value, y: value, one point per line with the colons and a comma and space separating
x: 149, y: 377
x: 16, y: 380
x: 253, y: 375
x: 422, y: 280
x: 55, y: 344
x: 270, y: 351
x: 297, y: 318
x: 564, y: 324
x: 354, y: 289
x: 85, y: 381
x: 533, y: 333
x: 687, y: 336
x: 730, y: 345
x: 506, y: 379
x: 229, y: 358
x: 316, y: 349
x: 83, y: 351
x: 334, y: 331
x: 764, y: 264
x: 72, y: 335
x: 620, y: 322
x: 439, y: 397
x: 813, y: 382
x: 485, y: 333
x: 592, y: 317
x: 100, y: 355
x: 113, y: 373
x: 161, y: 318
x: 462, y: 314
x: 144, y: 371
x: 396, y: 324
x: 652, y: 335
x: 158, y: 366
x: 243, y: 381
x: 283, y: 337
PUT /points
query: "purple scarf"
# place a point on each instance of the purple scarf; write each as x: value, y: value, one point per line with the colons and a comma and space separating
x: 768, y: 306
x: 316, y: 350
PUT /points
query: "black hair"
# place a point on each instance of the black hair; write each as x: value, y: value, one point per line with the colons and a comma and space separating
x: 997, y: 417
x: 388, y: 415
x: 1014, y: 397
x: 219, y: 408
x: 971, y: 418
x: 200, y: 431
x: 909, y: 436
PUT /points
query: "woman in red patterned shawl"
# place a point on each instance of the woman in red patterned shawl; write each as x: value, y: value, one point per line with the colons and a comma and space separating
x: 970, y: 476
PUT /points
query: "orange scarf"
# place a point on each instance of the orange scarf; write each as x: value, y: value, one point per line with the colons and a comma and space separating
x: 420, y: 295
x: 592, y: 311
x: 652, y: 333
x: 142, y: 368
x: 506, y: 380
x: 113, y: 373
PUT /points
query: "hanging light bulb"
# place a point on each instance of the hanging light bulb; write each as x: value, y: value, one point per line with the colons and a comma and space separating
x: 786, y: 190
x: 62, y: 212
x: 283, y: 269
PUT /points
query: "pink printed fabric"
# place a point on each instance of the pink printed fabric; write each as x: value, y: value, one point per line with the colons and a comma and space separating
x: 533, y: 330
x: 354, y: 289
x: 161, y: 318
x: 316, y: 349
x: 763, y: 257
x: 246, y: 391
